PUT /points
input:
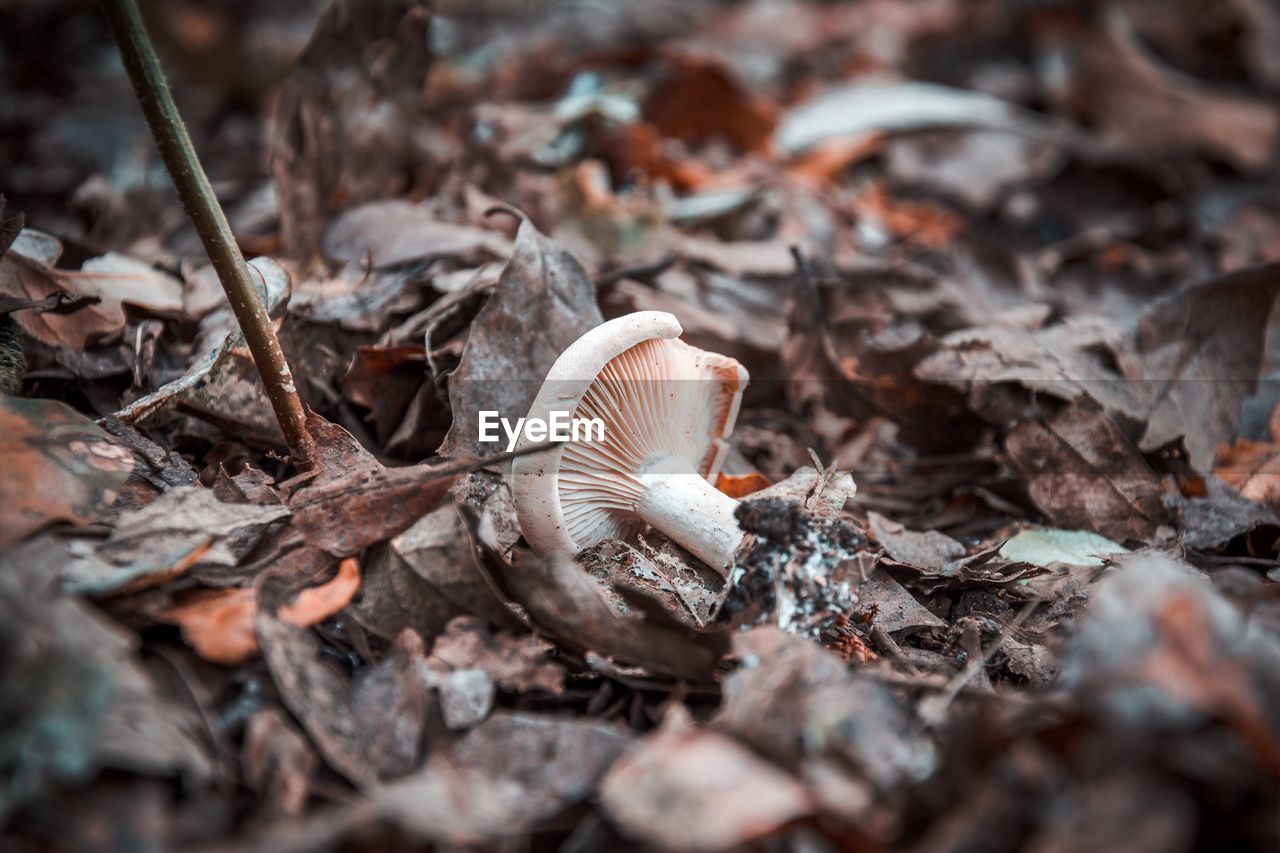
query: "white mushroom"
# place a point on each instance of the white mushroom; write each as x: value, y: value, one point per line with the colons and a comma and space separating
x: 667, y: 409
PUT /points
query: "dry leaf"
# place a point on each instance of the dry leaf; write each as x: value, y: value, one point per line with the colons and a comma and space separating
x: 219, y: 623
x: 28, y: 271
x: 59, y: 466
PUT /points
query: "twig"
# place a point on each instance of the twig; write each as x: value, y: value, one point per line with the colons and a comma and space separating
x: 206, y: 214
x: 932, y: 709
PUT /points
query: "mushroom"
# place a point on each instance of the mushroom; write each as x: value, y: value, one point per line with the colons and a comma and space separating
x: 667, y: 409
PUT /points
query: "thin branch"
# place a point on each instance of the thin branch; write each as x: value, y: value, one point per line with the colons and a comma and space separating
x: 206, y: 214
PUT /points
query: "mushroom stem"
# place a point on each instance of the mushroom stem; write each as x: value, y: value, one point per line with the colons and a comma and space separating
x: 687, y: 509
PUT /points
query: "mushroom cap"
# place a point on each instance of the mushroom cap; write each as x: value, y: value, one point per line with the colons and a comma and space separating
x: 666, y: 407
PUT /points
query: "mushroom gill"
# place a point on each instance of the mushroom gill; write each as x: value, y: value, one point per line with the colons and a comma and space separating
x: 661, y: 418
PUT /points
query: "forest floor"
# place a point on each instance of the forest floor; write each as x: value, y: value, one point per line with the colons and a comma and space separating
x: 1003, y: 276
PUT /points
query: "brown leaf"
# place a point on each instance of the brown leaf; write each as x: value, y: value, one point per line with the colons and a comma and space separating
x: 546, y: 301
x: 219, y: 623
x: 792, y: 696
x: 59, y: 466
x: 1146, y: 109
x: 928, y: 550
x: 393, y: 703
x: 1083, y: 473
x: 502, y: 779
x: 27, y: 271
x: 1198, y: 355
x: 392, y: 233
x: 516, y: 662
x: 351, y: 501
x: 366, y: 731
x: 279, y: 764
x: 343, y: 118
x: 186, y: 528
x: 700, y: 100
x: 1253, y: 469
x: 76, y: 699
x: 684, y: 788
x: 741, y: 485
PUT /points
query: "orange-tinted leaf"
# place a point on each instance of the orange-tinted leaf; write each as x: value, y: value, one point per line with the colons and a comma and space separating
x: 741, y: 485
x: 1251, y: 468
x: 700, y: 100
x: 320, y: 602
x: 824, y: 162
x: 58, y: 466
x: 638, y: 146
x: 219, y: 623
x: 916, y: 221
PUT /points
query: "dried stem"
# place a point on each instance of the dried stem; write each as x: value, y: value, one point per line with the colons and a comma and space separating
x: 210, y: 223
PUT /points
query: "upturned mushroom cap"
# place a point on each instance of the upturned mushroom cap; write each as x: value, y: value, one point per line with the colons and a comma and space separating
x: 667, y: 408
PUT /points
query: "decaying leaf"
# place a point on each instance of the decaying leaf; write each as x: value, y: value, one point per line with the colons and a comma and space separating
x: 58, y: 466
x: 1083, y: 472
x: 545, y: 297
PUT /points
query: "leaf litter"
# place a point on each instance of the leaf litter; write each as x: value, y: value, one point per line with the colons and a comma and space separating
x: 1005, y: 282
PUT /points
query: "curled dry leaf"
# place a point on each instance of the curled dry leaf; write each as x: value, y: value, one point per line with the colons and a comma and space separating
x: 58, y: 466
x: 219, y: 623
x: 184, y: 528
x: 28, y: 271
x: 221, y: 367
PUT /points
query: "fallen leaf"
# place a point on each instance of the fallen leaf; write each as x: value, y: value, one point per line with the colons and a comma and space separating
x: 1218, y: 516
x: 1044, y: 546
x: 544, y: 298
x: 219, y: 623
x: 684, y: 788
x: 515, y: 662
x: 1082, y: 472
x: 698, y: 100
x: 1198, y: 355
x: 928, y: 550
x: 27, y: 271
x: 392, y: 233
x: 502, y: 778
x: 803, y: 707
x: 76, y: 698
x: 340, y: 119
x: 1145, y: 109
x: 59, y: 466
x: 185, y: 527
x: 363, y: 730
x: 862, y: 109
x: 741, y: 485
